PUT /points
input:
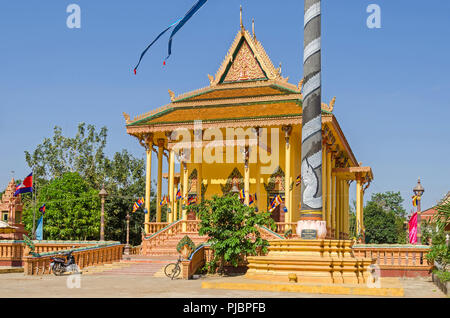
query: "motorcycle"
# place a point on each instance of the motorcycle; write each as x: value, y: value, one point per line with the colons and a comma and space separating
x: 59, y: 266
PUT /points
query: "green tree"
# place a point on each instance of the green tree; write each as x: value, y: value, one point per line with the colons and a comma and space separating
x: 232, y: 229
x: 391, y: 203
x: 72, y: 209
x: 123, y: 176
x: 83, y: 153
x: 380, y: 225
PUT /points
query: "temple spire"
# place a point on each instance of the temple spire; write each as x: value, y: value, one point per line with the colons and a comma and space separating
x: 242, y: 25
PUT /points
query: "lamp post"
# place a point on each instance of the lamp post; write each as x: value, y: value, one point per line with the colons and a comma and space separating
x: 103, y: 194
x: 418, y: 191
x: 126, y: 250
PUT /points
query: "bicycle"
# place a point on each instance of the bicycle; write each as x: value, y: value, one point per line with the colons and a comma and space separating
x: 173, y: 270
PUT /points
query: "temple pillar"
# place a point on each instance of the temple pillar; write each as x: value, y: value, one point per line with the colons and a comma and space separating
x: 258, y: 172
x: 246, y: 176
x: 199, y: 182
x: 329, y: 193
x: 287, y: 175
x: 333, y: 202
x: 338, y: 208
x: 185, y: 195
x: 358, y: 205
x: 342, y: 209
x: 324, y: 182
x: 170, y: 207
x: 159, y: 181
x: 148, y: 181
x: 346, y: 209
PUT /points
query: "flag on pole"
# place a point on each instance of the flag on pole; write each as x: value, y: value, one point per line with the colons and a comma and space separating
x: 26, y: 186
x: 275, y: 202
x: 179, y: 196
x: 42, y: 209
x: 413, y: 229
x: 39, y: 229
x: 138, y: 204
x: 179, y: 24
x: 298, y: 181
x: 250, y: 200
x: 192, y: 200
x: 416, y: 200
x: 242, y: 194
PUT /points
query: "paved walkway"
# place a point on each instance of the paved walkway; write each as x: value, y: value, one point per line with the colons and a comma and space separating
x: 18, y: 285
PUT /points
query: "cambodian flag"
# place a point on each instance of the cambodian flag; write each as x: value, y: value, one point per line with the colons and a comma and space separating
x: 42, y: 209
x: 26, y: 186
x: 413, y: 229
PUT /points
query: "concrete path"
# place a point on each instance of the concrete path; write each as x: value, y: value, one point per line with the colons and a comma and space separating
x: 50, y: 286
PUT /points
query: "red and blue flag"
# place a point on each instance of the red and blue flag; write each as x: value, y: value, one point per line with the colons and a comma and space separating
x: 26, y: 186
x: 42, y: 209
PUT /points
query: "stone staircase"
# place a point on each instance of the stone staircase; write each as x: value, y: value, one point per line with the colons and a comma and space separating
x: 168, y: 247
x: 133, y: 265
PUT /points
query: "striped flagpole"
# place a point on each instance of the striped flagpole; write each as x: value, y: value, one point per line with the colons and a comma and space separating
x: 311, y: 165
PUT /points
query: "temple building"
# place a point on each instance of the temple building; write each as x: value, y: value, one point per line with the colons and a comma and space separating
x: 243, y: 134
x: 11, y: 208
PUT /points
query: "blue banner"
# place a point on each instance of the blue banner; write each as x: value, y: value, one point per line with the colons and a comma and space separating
x: 39, y: 230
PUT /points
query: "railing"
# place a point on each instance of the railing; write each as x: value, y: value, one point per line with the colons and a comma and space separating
x: 192, y: 225
x: 156, y: 226
x: 282, y: 227
x: 268, y: 234
x: 396, y: 260
x: 162, y: 235
x: 197, y: 259
x: 84, y: 257
x: 12, y: 252
x: 135, y: 250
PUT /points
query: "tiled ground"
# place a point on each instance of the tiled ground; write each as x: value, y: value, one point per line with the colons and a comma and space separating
x: 18, y: 285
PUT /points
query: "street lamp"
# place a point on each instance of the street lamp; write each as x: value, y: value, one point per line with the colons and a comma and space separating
x: 418, y: 191
x: 103, y: 194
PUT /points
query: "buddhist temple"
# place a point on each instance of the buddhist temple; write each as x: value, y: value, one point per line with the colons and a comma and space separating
x: 11, y: 208
x: 243, y: 133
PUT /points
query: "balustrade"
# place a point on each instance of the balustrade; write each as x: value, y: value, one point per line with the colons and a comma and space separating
x: 90, y: 256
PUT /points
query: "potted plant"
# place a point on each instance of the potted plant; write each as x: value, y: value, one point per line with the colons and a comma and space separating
x: 185, y: 247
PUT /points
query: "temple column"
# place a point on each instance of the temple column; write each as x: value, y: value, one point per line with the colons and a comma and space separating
x: 329, y: 193
x: 199, y: 182
x: 333, y: 201
x: 148, y: 181
x: 185, y: 194
x: 258, y: 172
x: 346, y: 209
x: 246, y: 176
x: 342, y: 209
x: 170, y: 207
x: 324, y: 182
x: 338, y: 208
x: 175, y: 201
x: 287, y: 175
x: 358, y: 205
x: 159, y: 185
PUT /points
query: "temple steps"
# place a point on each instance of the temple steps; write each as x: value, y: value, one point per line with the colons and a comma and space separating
x: 316, y: 261
x: 133, y: 265
x: 169, y: 246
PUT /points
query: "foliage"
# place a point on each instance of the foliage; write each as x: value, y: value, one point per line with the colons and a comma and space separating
x: 380, y: 226
x: 232, y: 229
x: 384, y: 219
x: 72, y: 209
x: 443, y: 276
x: 123, y: 177
x: 186, y: 240
x: 442, y: 217
x: 441, y: 254
x: 390, y: 201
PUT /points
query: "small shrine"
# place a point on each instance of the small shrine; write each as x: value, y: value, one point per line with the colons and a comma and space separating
x: 11, y: 209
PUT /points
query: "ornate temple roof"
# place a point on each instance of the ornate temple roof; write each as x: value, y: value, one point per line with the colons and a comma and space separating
x: 246, y: 77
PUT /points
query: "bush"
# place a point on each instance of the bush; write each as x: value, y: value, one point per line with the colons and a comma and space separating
x: 232, y: 230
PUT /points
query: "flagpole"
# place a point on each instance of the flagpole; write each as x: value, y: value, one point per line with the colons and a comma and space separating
x: 34, y: 204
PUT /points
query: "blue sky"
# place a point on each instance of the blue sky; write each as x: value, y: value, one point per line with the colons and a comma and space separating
x: 392, y: 84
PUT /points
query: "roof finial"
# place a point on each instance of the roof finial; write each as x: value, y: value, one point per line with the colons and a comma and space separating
x: 242, y: 25
x: 253, y: 28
